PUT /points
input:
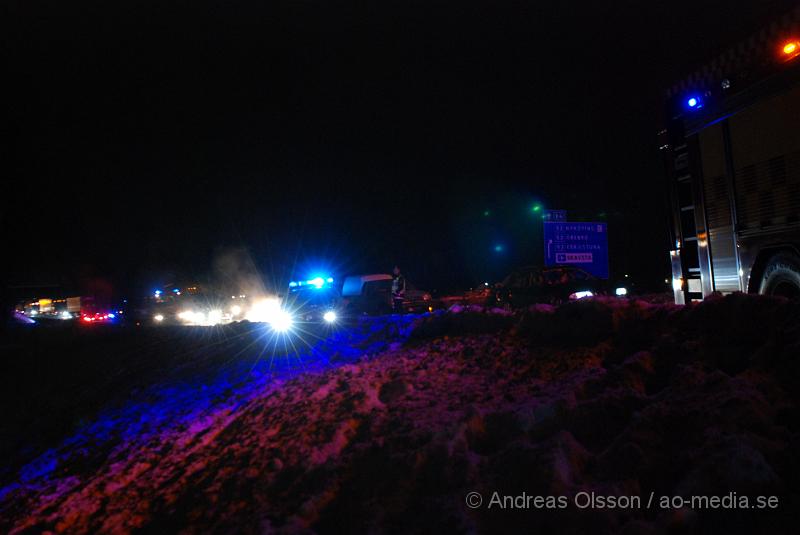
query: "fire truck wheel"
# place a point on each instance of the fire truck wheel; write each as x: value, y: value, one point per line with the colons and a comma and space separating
x: 781, y: 276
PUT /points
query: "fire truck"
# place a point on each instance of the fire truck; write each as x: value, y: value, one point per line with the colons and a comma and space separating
x: 731, y: 144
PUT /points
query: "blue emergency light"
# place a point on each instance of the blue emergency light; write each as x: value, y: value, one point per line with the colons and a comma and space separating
x: 316, y: 283
x: 694, y: 103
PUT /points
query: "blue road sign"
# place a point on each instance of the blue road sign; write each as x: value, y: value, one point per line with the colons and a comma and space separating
x: 555, y: 215
x: 584, y: 245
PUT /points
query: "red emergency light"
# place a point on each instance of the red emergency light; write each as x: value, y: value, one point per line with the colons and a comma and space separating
x: 790, y: 49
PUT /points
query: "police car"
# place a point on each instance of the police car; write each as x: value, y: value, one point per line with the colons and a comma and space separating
x: 314, y: 300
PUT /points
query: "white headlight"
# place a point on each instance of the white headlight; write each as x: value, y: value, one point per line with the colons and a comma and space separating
x: 264, y: 311
x: 281, y: 321
x: 214, y: 317
x: 158, y: 317
x: 236, y: 310
x: 330, y: 316
x: 581, y: 295
x: 621, y: 291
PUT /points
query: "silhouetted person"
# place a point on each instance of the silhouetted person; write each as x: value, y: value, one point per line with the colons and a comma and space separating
x: 398, y: 290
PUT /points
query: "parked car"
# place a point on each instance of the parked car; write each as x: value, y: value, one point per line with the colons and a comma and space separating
x: 483, y: 295
x: 531, y: 285
x: 372, y: 294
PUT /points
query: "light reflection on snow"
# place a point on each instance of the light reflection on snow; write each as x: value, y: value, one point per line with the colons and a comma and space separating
x: 192, y: 405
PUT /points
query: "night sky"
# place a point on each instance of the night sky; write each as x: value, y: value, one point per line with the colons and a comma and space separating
x: 150, y: 138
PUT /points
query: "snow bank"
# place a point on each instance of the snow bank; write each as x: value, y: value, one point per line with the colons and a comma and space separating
x: 616, y: 397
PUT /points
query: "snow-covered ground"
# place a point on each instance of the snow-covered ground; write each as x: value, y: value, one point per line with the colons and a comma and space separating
x: 387, y: 426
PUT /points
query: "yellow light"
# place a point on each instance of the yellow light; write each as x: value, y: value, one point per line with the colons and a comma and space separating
x: 790, y: 48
